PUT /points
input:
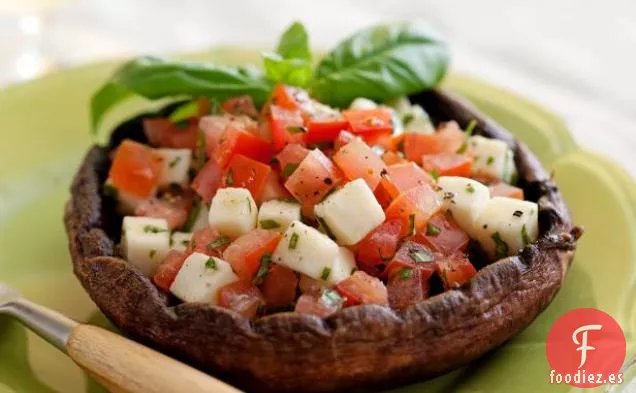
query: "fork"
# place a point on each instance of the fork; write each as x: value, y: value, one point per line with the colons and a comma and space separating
x: 119, y: 364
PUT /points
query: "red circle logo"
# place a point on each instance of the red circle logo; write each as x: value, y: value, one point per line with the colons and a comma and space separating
x: 586, y: 348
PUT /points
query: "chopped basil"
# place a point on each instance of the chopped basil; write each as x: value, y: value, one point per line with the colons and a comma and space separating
x: 152, y: 253
x: 517, y: 213
x: 266, y: 260
x: 432, y: 230
x: 218, y: 242
x: 194, y: 214
x: 229, y: 178
x: 269, y: 224
x: 502, y: 247
x: 211, y: 264
x: 289, y: 169
x: 469, y: 132
x: 448, y: 195
x: 412, y: 224
x: 406, y: 273
x: 184, y: 112
x: 174, y: 162
x: 420, y: 256
x: 200, y: 154
x: 407, y: 118
x: 326, y: 228
x: 249, y: 204
x: 490, y: 160
x: 524, y: 235
x: 325, y: 273
x: 296, y: 129
x: 435, y: 174
x: 153, y: 229
x: 185, y: 243
x: 470, y: 188
x: 110, y: 191
x: 293, y: 241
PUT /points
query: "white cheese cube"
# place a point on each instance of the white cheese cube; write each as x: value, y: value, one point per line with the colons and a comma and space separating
x: 464, y: 198
x: 144, y: 242
x: 304, y: 249
x: 350, y: 213
x: 415, y: 119
x: 362, y: 103
x: 505, y: 225
x: 180, y: 240
x: 175, y: 166
x: 493, y: 158
x: 276, y: 215
x: 233, y: 211
x: 201, y: 277
x: 343, y: 266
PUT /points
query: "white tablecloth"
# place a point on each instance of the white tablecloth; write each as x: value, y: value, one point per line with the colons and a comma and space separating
x: 576, y: 57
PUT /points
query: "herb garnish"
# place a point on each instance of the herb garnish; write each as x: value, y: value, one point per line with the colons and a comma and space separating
x: 517, y: 213
x: 432, y: 230
x: 470, y: 188
x: 194, y: 214
x: 266, y: 260
x: 211, y: 264
x: 296, y: 129
x: 435, y: 174
x: 524, y: 235
x: 293, y: 241
x: 330, y: 297
x: 269, y: 224
x: 289, y: 169
x: 174, y: 162
x: 154, y: 229
x: 218, y: 242
x: 325, y: 273
x: 502, y: 247
x: 490, y: 160
x: 152, y: 253
x: 469, y: 132
x: 420, y: 256
x: 326, y: 228
x: 406, y: 273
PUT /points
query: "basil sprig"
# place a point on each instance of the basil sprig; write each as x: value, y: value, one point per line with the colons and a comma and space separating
x: 379, y: 63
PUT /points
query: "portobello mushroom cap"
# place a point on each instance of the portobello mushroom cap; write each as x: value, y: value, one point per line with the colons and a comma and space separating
x: 366, y: 347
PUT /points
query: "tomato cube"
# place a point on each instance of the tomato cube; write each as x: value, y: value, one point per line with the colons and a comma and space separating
x: 412, y: 255
x: 361, y: 288
x: 279, y: 286
x: 241, y: 105
x: 208, y: 241
x: 442, y: 234
x: 207, y: 181
x: 379, y: 247
x: 448, y: 139
x: 136, y: 169
x: 173, y: 208
x: 168, y: 269
x: 287, y: 126
x: 273, y: 188
x: 311, y: 286
x: 214, y: 127
x: 288, y: 97
x: 448, y: 164
x: 402, y: 177
x: 506, y: 190
x: 393, y: 158
x: 162, y: 132
x: 246, y: 173
x: 290, y: 157
x: 409, y: 286
x: 312, y: 180
x: 235, y: 141
x: 357, y: 161
x: 414, y: 207
x: 321, y: 306
x: 455, y: 271
x: 245, y: 254
x: 325, y: 130
x: 344, y: 137
x: 242, y: 297
x: 370, y: 124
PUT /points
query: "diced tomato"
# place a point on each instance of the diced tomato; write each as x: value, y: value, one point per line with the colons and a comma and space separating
x: 448, y: 164
x: 174, y: 208
x: 287, y: 126
x: 321, y: 306
x: 291, y: 154
x: 273, y: 188
x: 455, y: 271
x: 325, y: 130
x: 414, y: 207
x: 409, y: 286
x: 162, y: 132
x: 443, y: 235
x: 448, y: 139
x: 370, y: 124
x: 135, y: 169
x: 400, y: 178
x: 393, y: 158
x: 288, y: 97
x: 312, y: 180
x: 207, y: 181
x: 245, y: 253
x: 412, y: 255
x: 279, y: 286
x: 242, y: 297
x: 357, y: 161
x: 208, y: 241
x: 379, y: 247
x: 214, y: 127
x: 246, y: 173
x: 241, y: 105
x: 168, y: 269
x: 344, y: 137
x: 235, y: 141
x: 506, y: 190
x: 311, y: 286
x: 361, y: 288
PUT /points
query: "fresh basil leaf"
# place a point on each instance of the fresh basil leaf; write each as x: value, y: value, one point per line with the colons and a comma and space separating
x: 294, y: 43
x: 185, y: 111
x: 295, y: 72
x: 382, y: 62
x: 155, y: 78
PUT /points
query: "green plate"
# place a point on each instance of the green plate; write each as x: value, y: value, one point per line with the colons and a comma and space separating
x: 44, y: 126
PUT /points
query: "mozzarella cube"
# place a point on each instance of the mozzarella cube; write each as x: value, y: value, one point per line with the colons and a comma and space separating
x: 343, y: 266
x: 362, y: 103
x: 505, y: 225
x: 464, y: 198
x: 276, y: 215
x: 493, y: 158
x: 304, y: 249
x: 144, y: 242
x: 233, y: 211
x: 350, y: 213
x: 201, y: 277
x: 180, y: 240
x: 175, y: 166
x: 415, y: 119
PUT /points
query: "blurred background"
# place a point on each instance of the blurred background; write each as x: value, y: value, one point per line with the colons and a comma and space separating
x: 576, y: 57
